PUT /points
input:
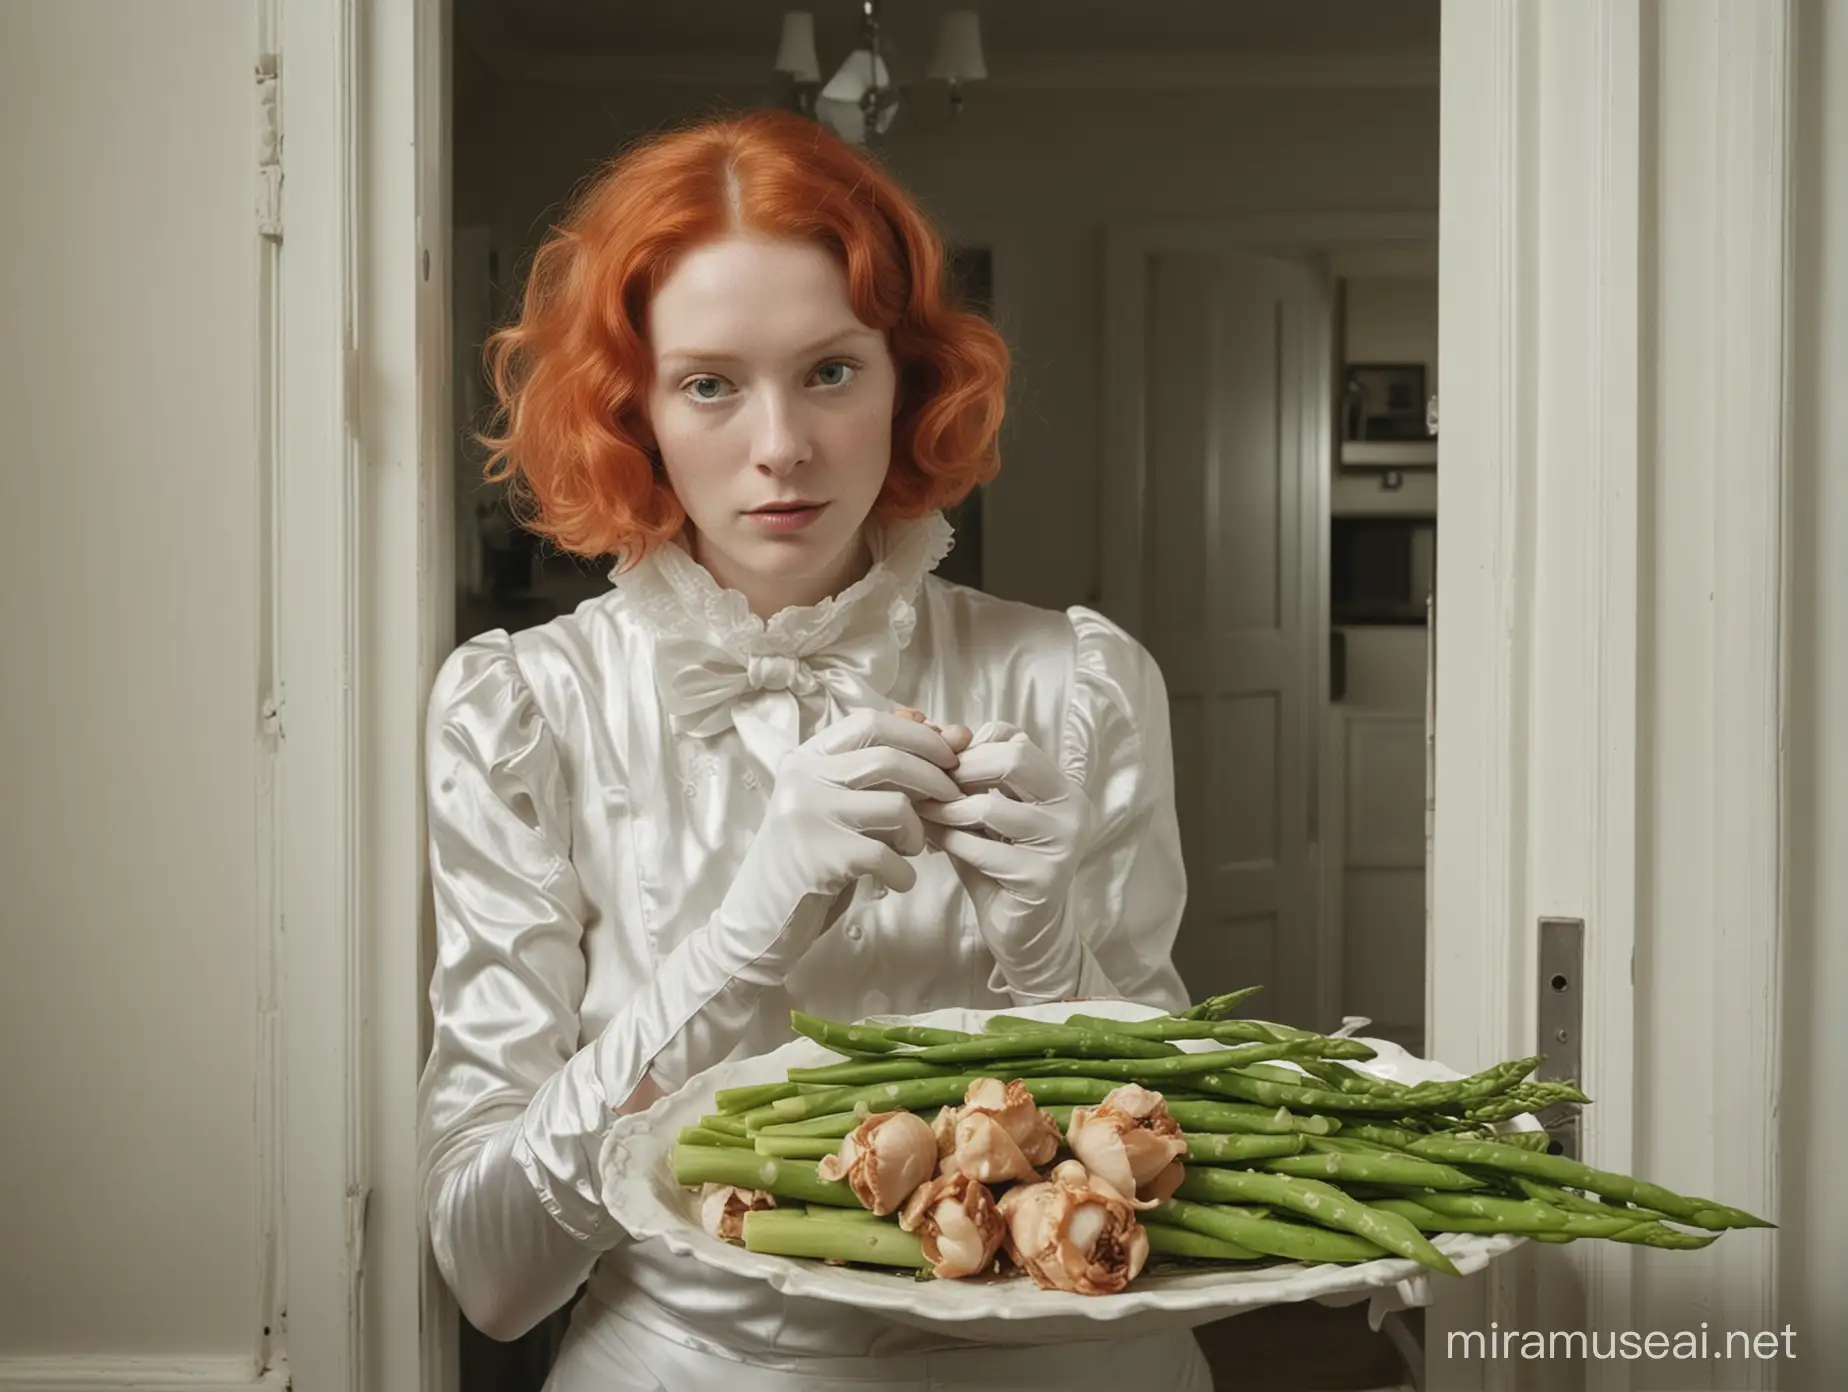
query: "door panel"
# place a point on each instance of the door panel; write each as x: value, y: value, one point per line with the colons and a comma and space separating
x: 1235, y: 364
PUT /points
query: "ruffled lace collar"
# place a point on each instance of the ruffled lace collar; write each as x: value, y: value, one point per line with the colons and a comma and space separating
x: 680, y: 598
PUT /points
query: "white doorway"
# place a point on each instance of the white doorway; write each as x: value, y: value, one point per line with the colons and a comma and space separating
x: 1300, y: 731
x: 1524, y: 747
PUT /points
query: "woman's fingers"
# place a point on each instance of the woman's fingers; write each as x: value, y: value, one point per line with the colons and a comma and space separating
x: 879, y: 766
x: 887, y: 817
x: 958, y: 737
x: 868, y: 729
x: 993, y: 731
x: 993, y: 858
x: 1016, y: 766
x: 995, y: 813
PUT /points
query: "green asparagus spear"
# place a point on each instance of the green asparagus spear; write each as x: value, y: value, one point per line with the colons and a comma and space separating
x: 925, y: 1034
x: 918, y: 1093
x: 1380, y: 1168
x: 1227, y: 1031
x: 1379, y: 1133
x: 699, y: 1135
x: 1240, y: 1116
x: 743, y: 1099
x: 1209, y: 1148
x: 1487, y: 1083
x: 795, y: 1147
x: 827, y: 1213
x: 1319, y: 1202
x: 1218, y: 1007
x: 1302, y: 1099
x: 842, y: 1038
x: 1558, y: 1169
x: 787, y: 1179
x: 860, y: 1072
x: 1185, y: 1242
x: 1271, y: 1236
x: 797, y: 1235
x: 833, y: 1124
x: 1047, y: 1042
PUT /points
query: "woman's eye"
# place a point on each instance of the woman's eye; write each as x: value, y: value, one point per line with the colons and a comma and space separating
x: 842, y: 374
x: 705, y: 388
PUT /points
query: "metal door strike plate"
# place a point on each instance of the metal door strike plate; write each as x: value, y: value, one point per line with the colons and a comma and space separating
x: 1560, y: 1017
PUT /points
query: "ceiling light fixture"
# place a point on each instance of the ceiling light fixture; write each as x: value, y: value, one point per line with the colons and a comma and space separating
x: 860, y: 101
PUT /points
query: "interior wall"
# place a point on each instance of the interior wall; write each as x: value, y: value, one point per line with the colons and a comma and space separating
x: 1037, y: 175
x: 131, y: 593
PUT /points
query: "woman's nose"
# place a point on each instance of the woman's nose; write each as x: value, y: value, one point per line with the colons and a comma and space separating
x: 779, y: 442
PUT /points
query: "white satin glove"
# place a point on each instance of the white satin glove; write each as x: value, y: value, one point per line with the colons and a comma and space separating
x: 1015, y: 836
x: 843, y: 808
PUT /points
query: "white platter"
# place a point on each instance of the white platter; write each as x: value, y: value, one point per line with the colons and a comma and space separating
x: 640, y: 1192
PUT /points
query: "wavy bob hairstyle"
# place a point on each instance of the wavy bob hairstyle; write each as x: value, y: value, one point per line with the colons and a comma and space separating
x: 572, y: 375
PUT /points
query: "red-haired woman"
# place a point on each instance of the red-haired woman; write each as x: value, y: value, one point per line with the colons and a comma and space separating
x: 659, y: 823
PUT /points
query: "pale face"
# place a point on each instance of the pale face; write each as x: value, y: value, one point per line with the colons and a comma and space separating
x: 772, y: 408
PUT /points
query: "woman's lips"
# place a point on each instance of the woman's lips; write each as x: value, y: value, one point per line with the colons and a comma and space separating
x: 786, y: 519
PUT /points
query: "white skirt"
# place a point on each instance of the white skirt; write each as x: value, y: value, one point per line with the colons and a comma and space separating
x: 606, y: 1352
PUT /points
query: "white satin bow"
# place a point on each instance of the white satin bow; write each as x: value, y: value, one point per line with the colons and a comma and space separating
x: 708, y: 689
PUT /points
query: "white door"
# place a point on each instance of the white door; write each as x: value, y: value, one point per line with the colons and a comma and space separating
x: 1232, y: 371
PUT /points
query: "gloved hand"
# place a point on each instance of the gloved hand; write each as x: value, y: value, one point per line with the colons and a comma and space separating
x: 843, y: 808
x: 1015, y: 836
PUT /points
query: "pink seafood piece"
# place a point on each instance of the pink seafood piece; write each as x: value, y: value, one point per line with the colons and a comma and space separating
x: 1129, y: 1142
x: 957, y: 1224
x: 998, y: 1134
x: 722, y: 1208
x: 1071, y: 1234
x: 884, y: 1159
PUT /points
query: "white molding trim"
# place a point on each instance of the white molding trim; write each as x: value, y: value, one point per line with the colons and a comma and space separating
x: 1541, y: 297
x: 1476, y: 870
x: 1606, y: 353
x: 1752, y: 231
x: 363, y: 617
x: 319, y: 581
x: 427, y: 610
x: 1584, y: 398
x: 270, y: 1295
x: 1035, y: 72
x: 84, y: 1373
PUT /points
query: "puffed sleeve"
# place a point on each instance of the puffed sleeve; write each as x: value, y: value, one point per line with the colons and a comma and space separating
x: 1131, y: 885
x: 511, y: 1111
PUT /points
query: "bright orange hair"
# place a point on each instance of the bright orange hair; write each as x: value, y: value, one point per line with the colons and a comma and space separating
x: 572, y: 375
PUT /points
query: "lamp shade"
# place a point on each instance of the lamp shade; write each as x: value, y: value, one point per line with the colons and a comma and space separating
x: 795, y: 55
x: 958, y: 57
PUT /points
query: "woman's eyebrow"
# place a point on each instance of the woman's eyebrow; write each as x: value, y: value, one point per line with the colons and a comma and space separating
x: 704, y: 355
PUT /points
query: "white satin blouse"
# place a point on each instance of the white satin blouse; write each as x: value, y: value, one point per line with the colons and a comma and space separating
x: 593, y: 785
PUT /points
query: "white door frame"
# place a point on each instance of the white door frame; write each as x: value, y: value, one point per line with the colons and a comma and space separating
x: 364, y: 615
x: 1123, y: 482
x: 1552, y: 191
x: 1536, y: 618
